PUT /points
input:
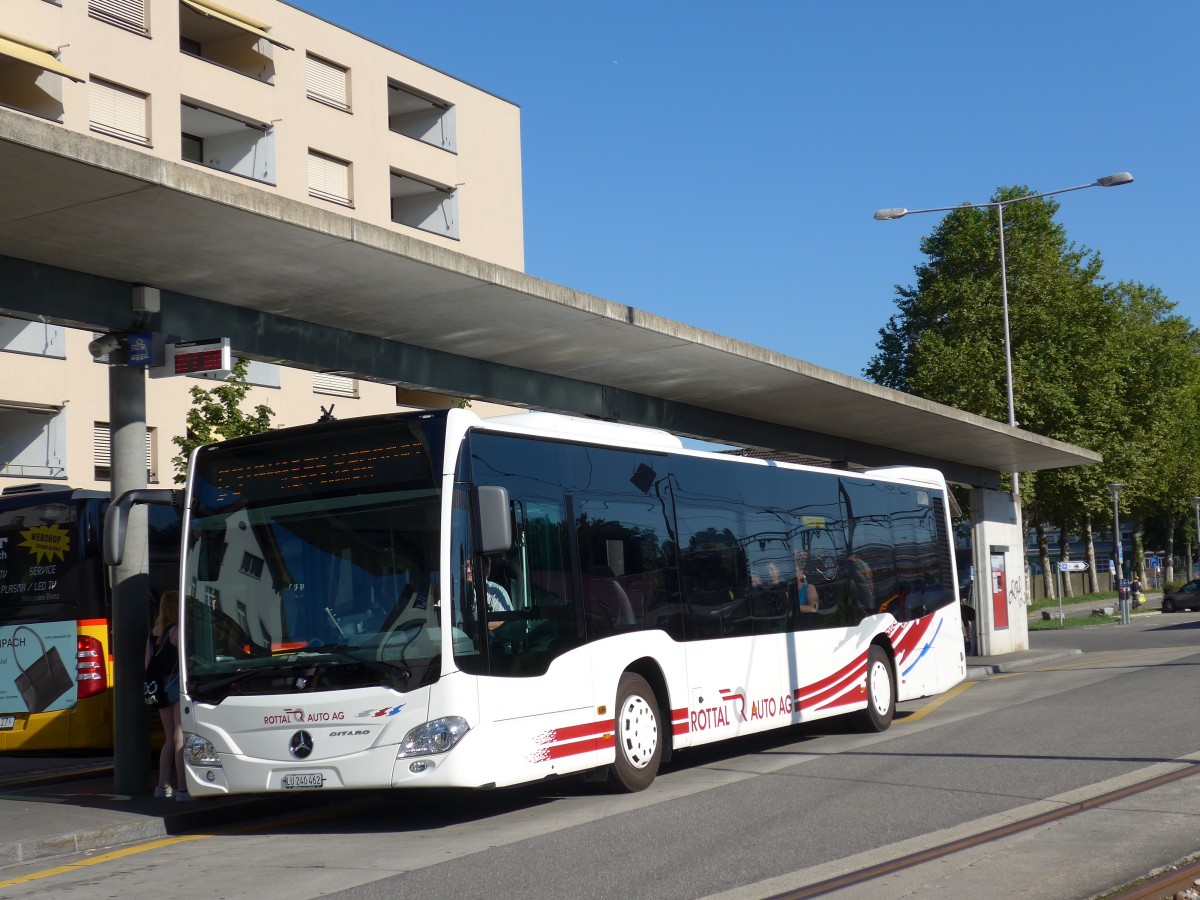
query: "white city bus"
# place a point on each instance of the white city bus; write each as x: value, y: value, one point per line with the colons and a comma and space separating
x: 433, y: 599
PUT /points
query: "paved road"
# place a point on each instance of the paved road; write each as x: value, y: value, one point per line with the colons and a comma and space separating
x: 764, y: 815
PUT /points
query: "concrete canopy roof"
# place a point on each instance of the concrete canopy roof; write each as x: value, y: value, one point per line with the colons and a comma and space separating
x: 88, y: 205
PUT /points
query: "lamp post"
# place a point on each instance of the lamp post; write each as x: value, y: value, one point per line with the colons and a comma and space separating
x: 1196, y: 507
x: 1115, y: 490
x: 885, y: 215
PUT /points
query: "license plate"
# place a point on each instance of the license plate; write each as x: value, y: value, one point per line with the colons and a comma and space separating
x: 304, y: 780
x: 7, y: 723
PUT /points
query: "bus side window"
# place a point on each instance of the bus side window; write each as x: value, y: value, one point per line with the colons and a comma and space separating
x: 623, y: 558
x: 536, y: 575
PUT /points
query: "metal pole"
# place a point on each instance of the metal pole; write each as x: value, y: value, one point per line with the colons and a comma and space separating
x: 1012, y: 413
x: 1008, y: 381
x: 1122, y: 597
x: 131, y: 584
x: 1196, y: 552
x: 1063, y: 576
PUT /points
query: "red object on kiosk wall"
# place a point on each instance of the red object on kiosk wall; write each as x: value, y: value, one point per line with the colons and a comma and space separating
x: 999, y: 592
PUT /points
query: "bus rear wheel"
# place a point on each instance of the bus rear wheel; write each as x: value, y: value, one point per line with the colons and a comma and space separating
x: 881, y: 694
x: 638, y: 736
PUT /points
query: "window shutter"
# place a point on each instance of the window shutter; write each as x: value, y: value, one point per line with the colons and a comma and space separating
x: 151, y: 469
x: 127, y: 13
x: 327, y: 82
x: 102, y: 451
x: 118, y: 111
x: 328, y: 178
x: 338, y: 385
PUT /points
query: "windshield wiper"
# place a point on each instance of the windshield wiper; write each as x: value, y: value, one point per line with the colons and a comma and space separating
x: 397, y: 676
x: 212, y: 683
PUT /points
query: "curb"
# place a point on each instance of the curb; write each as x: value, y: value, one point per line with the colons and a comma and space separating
x: 26, y: 851
x: 199, y: 816
x: 980, y: 672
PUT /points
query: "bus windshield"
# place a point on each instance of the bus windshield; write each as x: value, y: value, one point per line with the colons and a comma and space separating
x: 311, y: 563
x: 41, y: 556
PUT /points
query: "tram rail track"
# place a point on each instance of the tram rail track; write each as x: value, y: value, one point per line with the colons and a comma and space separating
x: 949, y: 848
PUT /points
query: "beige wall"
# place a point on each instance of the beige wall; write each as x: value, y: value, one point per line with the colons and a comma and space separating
x: 485, y: 170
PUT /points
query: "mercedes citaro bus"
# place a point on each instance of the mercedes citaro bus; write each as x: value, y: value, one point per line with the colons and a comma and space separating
x: 434, y: 599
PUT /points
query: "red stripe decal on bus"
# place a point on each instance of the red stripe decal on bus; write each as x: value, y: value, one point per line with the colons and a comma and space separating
x: 836, y: 680
x: 558, y: 751
x: 571, y: 732
x: 91, y: 623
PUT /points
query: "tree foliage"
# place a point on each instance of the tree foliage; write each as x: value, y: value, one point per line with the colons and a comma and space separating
x: 216, y: 415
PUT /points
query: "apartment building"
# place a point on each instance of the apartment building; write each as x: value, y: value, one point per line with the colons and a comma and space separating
x: 266, y: 95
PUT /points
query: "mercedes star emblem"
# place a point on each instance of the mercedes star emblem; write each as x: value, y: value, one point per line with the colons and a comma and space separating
x: 301, y: 745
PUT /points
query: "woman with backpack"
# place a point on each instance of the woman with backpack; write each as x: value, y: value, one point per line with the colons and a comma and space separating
x: 162, y: 667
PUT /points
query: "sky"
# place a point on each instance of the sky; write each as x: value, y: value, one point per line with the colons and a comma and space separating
x: 720, y: 163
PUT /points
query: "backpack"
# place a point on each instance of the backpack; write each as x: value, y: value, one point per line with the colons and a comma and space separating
x: 161, y: 685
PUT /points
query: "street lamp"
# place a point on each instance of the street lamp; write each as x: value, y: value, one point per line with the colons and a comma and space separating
x: 1115, y: 490
x: 884, y: 215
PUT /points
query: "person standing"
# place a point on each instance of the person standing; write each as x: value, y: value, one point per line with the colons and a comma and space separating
x: 162, y: 660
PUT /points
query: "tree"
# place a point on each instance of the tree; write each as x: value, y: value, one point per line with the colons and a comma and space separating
x: 946, y: 343
x: 216, y: 414
x: 1159, y: 364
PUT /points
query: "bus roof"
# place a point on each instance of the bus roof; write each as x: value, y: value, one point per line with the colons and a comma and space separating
x: 581, y: 429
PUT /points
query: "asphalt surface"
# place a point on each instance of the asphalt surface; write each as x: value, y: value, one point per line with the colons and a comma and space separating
x: 51, y: 807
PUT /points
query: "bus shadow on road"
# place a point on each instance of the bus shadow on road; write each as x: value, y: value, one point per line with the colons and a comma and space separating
x: 1189, y: 625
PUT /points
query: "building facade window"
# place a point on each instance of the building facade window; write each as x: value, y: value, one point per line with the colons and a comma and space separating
x: 252, y: 565
x: 33, y: 76
x: 33, y: 338
x: 424, y: 205
x: 118, y: 111
x: 102, y: 453
x: 192, y: 148
x: 421, y: 117
x: 35, y: 441
x: 227, y: 144
x: 335, y: 385
x: 328, y: 178
x: 130, y: 14
x: 328, y: 82
x: 228, y: 38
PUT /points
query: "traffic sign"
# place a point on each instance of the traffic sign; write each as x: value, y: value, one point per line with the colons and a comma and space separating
x: 1073, y: 565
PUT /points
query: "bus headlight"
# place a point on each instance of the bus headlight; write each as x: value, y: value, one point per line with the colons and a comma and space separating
x: 437, y: 736
x: 199, y: 752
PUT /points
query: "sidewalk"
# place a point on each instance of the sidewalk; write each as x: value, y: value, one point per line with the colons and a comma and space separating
x: 68, y: 809
x: 981, y: 667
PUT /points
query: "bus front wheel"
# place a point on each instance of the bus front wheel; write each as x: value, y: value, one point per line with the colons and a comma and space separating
x: 881, y: 694
x: 638, y: 736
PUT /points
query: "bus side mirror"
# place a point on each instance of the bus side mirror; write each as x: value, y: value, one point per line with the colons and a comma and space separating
x: 117, y: 517
x: 495, y: 519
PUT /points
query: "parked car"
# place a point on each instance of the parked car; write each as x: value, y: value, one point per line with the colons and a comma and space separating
x: 1187, y: 597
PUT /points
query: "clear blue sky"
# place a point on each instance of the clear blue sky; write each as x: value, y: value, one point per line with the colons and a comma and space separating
x: 719, y: 163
